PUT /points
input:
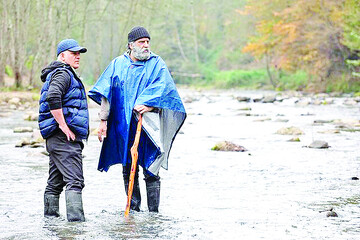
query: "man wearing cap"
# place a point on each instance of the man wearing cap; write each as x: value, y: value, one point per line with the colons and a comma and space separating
x: 138, y: 82
x: 64, y: 123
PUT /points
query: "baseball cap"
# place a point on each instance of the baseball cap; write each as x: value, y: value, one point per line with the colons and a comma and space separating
x: 71, y: 45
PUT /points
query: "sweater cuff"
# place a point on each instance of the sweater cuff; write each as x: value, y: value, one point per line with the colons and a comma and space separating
x: 53, y: 104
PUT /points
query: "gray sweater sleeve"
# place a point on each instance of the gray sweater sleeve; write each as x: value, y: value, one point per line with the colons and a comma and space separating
x: 104, y: 109
x: 59, y: 84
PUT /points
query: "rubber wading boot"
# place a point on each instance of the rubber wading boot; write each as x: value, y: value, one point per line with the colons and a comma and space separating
x: 153, y: 195
x: 51, y: 205
x: 74, y: 206
x: 136, y: 196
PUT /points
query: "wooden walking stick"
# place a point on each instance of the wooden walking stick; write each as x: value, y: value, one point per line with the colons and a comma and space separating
x: 134, y: 158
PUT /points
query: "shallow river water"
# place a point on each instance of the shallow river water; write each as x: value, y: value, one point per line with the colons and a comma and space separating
x: 275, y: 190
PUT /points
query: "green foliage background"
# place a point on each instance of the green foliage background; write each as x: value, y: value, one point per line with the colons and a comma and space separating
x: 201, y: 41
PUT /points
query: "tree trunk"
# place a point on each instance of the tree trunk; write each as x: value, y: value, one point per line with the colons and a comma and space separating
x: 179, y: 43
x: 2, y: 43
x: 196, y: 47
x: 268, y: 70
x: 17, y: 22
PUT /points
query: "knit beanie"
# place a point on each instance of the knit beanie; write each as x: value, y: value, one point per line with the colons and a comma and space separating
x: 137, y: 33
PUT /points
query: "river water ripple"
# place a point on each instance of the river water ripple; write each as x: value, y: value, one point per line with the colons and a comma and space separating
x: 276, y: 190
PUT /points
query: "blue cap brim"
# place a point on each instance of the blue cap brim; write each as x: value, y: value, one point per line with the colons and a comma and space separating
x: 78, y: 49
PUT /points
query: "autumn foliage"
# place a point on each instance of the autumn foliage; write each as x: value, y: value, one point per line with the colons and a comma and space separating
x: 314, y: 36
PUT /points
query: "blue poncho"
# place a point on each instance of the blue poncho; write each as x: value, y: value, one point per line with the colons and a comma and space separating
x: 126, y: 84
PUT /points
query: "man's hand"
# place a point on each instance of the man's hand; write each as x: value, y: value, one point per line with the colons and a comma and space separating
x: 59, y: 118
x: 102, y: 130
x: 142, y: 109
x: 69, y: 134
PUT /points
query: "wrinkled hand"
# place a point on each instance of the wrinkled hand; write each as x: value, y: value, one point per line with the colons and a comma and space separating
x: 142, y: 109
x: 66, y: 130
x: 102, y: 130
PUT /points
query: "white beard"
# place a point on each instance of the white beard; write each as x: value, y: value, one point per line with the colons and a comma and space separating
x: 140, y: 53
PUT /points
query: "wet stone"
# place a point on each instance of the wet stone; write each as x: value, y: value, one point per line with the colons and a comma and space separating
x: 229, y: 147
x: 245, y: 109
x: 323, y: 121
x: 23, y: 142
x: 243, y: 99
x: 294, y: 139
x: 36, y: 145
x: 14, y: 101
x: 269, y: 99
x: 22, y: 129
x: 281, y: 120
x: 319, y: 144
x: 32, y: 116
x: 331, y: 214
x: 330, y: 131
x: 289, y: 131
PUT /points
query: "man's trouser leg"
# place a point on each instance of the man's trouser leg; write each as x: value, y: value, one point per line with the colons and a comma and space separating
x: 136, y: 196
x: 67, y: 158
x: 152, y: 192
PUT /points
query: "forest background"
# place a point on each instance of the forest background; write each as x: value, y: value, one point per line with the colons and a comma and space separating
x: 270, y: 44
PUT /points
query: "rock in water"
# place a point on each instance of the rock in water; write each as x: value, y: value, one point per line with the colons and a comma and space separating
x: 319, y: 144
x: 290, y: 131
x: 294, y: 139
x: 331, y: 213
x: 22, y: 129
x: 229, y: 147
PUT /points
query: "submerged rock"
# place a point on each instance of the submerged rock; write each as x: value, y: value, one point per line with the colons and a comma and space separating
x: 289, y: 131
x: 281, y: 120
x: 14, y: 101
x: 22, y: 129
x: 320, y: 121
x: 330, y: 131
x: 228, y: 146
x: 319, y: 144
x: 262, y: 120
x: 269, y: 99
x: 330, y: 212
x: 243, y: 99
x: 245, y: 109
x: 31, y: 116
x: 36, y: 136
x: 35, y: 141
x: 22, y: 142
x: 347, y: 123
x: 294, y: 139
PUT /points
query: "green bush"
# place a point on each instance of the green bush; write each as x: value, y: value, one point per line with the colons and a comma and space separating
x: 9, y: 71
x: 240, y: 78
x: 292, y: 81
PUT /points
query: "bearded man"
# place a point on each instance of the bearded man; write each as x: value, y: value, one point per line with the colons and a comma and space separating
x: 138, y: 82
